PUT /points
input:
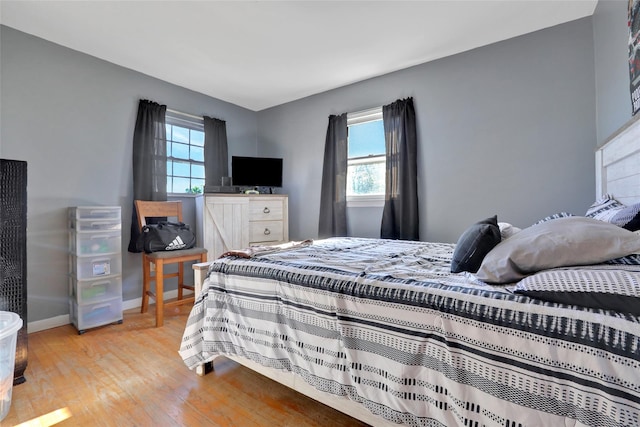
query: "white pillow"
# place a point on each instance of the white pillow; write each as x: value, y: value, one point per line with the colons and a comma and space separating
x: 507, y: 230
x: 562, y: 242
x: 604, y: 208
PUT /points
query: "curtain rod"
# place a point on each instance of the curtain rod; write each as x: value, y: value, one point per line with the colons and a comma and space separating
x: 184, y: 114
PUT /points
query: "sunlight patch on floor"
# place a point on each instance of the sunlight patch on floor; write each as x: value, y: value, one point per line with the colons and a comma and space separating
x: 46, y: 420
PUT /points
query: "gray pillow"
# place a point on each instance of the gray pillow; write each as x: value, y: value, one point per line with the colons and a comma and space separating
x: 474, y: 244
x: 562, y: 242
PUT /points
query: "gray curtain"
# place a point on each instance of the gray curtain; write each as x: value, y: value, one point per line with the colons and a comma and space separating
x: 216, y: 157
x: 333, y: 194
x: 149, y: 160
x: 400, y: 214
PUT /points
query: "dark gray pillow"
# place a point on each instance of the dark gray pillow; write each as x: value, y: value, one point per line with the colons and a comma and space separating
x: 474, y: 244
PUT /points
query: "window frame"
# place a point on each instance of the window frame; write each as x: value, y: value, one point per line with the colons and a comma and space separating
x: 185, y: 121
x: 355, y: 118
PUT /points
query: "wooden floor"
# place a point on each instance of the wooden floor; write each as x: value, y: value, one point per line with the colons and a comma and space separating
x: 132, y: 375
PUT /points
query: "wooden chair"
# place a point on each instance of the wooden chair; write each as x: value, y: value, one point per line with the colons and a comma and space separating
x: 173, y: 211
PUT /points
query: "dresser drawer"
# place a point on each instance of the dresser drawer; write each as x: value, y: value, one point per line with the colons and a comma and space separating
x: 237, y: 221
x: 265, y: 231
x: 265, y: 210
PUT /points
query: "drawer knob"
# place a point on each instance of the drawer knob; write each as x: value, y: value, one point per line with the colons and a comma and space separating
x: 266, y: 210
x: 267, y: 231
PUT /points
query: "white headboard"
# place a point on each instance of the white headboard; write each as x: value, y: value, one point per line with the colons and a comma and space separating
x: 618, y: 164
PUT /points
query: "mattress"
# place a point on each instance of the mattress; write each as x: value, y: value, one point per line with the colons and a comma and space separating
x: 386, y: 324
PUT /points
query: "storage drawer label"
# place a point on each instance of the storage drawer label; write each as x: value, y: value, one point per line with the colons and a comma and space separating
x: 101, y: 268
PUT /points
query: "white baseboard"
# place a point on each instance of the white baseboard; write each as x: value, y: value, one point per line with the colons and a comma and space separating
x: 52, y: 322
x: 65, y: 319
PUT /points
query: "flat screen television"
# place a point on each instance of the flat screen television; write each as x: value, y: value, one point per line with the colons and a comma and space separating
x: 256, y: 171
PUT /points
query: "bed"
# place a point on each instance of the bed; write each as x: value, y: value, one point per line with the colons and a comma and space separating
x: 545, y: 332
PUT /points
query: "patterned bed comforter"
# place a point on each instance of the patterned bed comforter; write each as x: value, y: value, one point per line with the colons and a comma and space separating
x: 386, y: 324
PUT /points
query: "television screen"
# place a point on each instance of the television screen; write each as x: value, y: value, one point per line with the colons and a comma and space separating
x: 256, y: 171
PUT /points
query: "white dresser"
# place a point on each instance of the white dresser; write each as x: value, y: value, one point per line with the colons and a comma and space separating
x: 237, y: 221
x: 95, y: 266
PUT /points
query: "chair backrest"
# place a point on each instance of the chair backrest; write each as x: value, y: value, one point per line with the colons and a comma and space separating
x: 147, y: 209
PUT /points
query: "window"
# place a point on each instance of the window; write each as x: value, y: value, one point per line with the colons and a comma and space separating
x: 366, y: 157
x: 185, y: 154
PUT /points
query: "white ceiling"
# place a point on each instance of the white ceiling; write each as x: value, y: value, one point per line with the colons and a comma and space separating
x: 258, y: 54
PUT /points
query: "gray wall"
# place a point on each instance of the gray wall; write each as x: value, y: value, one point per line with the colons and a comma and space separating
x: 71, y: 117
x: 611, y: 41
x: 505, y: 129
x: 508, y: 129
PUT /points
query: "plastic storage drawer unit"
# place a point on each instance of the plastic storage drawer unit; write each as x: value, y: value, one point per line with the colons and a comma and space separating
x: 103, y: 213
x: 90, y: 267
x: 95, y: 290
x: 95, y: 266
x: 86, y: 316
x: 95, y: 225
x: 95, y: 243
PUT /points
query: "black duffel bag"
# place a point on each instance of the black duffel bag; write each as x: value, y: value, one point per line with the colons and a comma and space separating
x: 166, y: 236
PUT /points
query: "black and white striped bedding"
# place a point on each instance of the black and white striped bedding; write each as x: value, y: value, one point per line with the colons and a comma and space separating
x: 386, y: 324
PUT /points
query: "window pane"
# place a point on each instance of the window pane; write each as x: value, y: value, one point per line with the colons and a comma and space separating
x: 197, y: 171
x: 197, y: 187
x: 197, y: 138
x: 366, y: 139
x: 180, y: 134
x: 365, y: 178
x: 180, y: 151
x: 197, y: 183
x: 185, y: 163
x: 180, y: 185
x: 181, y: 169
x: 197, y: 153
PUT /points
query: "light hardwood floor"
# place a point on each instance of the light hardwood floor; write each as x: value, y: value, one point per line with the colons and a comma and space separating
x: 132, y: 375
